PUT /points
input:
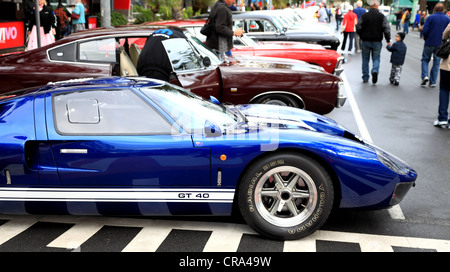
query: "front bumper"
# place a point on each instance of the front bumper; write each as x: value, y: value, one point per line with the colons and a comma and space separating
x: 400, y: 191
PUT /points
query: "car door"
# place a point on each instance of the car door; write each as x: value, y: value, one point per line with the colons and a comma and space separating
x: 115, y: 137
x: 190, y: 70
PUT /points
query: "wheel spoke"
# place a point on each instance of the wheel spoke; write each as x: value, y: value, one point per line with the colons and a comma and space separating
x: 269, y: 192
x: 300, y: 194
x: 278, y: 181
x: 293, y: 182
x: 291, y: 207
x: 274, y: 208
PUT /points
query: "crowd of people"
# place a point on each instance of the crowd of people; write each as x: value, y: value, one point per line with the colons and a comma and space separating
x: 369, y: 27
x: 54, y: 24
x: 365, y: 28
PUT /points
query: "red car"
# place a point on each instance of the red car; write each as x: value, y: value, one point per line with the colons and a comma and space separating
x: 106, y: 52
x: 316, y: 54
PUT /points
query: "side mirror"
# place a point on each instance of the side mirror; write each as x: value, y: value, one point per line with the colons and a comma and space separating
x: 211, y: 129
x: 206, y: 61
x: 214, y: 100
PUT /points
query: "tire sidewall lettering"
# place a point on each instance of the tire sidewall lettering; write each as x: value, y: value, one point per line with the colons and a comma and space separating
x: 255, y: 179
x: 324, y: 193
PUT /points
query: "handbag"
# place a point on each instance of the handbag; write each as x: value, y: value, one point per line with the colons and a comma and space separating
x: 443, y: 50
x: 207, y: 28
x: 75, y: 16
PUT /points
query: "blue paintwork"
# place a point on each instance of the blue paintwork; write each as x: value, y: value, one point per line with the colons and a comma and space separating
x: 154, y: 171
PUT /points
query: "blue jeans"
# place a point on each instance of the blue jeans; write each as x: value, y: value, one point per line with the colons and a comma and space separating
x: 398, y: 25
x: 427, y: 52
x: 444, y: 95
x: 368, y: 48
x: 406, y: 28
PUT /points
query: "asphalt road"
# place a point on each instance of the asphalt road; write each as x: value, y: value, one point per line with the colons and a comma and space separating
x: 396, y: 118
x: 400, y: 120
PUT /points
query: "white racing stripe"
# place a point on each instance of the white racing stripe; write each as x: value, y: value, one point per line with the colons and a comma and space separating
x: 117, y: 195
x: 395, y: 212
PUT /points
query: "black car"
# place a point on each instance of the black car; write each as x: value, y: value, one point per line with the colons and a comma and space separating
x: 266, y: 25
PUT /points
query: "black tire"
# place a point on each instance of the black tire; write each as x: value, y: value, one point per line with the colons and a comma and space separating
x: 303, y: 184
x: 279, y: 100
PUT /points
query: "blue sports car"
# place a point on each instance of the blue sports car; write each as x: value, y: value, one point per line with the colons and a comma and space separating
x: 136, y: 146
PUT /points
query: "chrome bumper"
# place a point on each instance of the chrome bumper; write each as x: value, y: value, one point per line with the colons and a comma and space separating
x: 338, y: 69
x: 341, y: 98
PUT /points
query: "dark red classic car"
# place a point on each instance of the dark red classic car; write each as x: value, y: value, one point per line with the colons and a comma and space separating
x: 328, y: 59
x: 104, y: 52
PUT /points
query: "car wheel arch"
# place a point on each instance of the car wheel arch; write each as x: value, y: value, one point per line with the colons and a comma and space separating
x: 260, y: 98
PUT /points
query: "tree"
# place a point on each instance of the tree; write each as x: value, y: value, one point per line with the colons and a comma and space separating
x: 423, y: 5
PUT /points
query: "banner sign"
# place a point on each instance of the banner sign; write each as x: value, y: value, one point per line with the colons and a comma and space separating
x: 12, y: 34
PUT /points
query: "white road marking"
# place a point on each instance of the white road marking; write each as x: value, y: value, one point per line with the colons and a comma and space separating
x: 225, y: 237
x: 15, y: 227
x: 395, y: 212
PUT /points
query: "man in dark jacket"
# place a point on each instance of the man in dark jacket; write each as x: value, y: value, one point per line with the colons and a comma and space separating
x: 371, y: 28
x: 153, y: 61
x: 221, y: 39
x: 432, y: 34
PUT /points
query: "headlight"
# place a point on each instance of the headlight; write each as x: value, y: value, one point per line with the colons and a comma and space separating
x: 393, y: 163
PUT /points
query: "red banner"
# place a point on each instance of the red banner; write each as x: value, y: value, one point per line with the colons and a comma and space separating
x: 122, y: 4
x: 12, y: 34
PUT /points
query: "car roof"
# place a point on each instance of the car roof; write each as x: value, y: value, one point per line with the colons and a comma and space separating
x: 112, y: 81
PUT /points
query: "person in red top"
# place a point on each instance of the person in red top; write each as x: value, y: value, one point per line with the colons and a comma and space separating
x: 63, y: 19
x: 348, y: 28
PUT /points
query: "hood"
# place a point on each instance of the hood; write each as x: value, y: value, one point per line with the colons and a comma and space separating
x: 280, y: 45
x: 259, y: 115
x: 308, y: 27
x: 275, y: 63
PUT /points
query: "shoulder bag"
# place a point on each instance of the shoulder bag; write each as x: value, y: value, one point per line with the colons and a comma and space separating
x: 207, y: 28
x: 443, y: 50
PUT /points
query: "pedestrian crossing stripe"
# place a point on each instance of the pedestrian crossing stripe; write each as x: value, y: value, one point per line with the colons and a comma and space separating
x: 222, y: 237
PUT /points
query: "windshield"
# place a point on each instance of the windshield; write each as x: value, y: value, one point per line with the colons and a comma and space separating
x: 189, y: 110
x: 278, y: 22
x: 247, y: 40
x: 202, y: 49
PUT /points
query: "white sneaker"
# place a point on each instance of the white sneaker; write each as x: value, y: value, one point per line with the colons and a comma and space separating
x: 424, y: 81
x: 441, y: 124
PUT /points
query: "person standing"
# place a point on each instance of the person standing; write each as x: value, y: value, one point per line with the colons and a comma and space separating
x: 322, y: 13
x: 398, y: 55
x: 406, y: 21
x: 359, y: 11
x: 78, y: 24
x: 422, y: 23
x: 432, y: 33
x: 47, y: 30
x: 444, y: 88
x: 348, y: 28
x: 416, y: 20
x: 338, y: 16
x: 62, y: 22
x: 221, y: 39
x: 372, y: 26
x: 398, y: 19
